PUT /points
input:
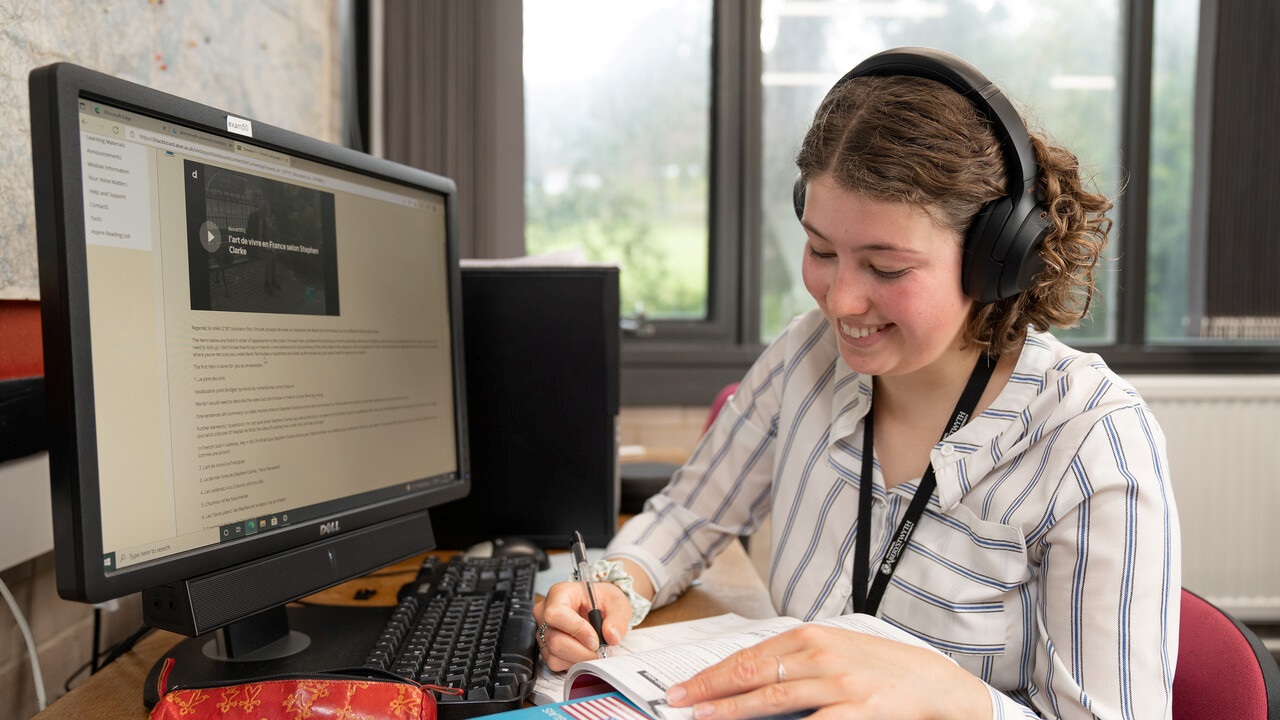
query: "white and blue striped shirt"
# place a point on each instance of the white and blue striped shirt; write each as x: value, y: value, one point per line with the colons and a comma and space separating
x: 1047, y: 563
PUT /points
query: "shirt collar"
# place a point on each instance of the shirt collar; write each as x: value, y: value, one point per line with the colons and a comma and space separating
x: 850, y: 401
x: 969, y: 454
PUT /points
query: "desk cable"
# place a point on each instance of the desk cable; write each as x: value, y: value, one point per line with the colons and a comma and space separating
x: 31, y: 644
x: 96, y: 654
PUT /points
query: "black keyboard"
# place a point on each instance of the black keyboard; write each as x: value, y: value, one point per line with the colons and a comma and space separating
x: 465, y: 624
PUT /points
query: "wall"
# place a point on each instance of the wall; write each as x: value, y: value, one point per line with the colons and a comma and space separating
x: 274, y: 62
x: 659, y: 434
x: 63, y: 632
x: 1219, y: 431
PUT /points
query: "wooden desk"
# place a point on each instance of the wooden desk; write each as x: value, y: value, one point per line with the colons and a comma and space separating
x: 731, y: 585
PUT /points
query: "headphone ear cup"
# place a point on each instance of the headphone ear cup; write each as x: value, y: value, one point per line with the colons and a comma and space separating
x: 980, y: 271
x: 1023, y: 261
x: 797, y: 196
x: 1002, y: 248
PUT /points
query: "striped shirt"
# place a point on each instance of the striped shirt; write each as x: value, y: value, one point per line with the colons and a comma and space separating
x: 1047, y: 562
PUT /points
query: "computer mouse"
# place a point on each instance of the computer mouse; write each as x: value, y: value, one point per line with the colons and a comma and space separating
x: 509, y: 547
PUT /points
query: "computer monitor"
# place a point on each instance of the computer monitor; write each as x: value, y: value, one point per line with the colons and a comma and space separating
x: 544, y: 458
x: 253, y: 367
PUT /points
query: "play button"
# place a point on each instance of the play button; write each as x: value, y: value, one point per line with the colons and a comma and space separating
x: 210, y: 236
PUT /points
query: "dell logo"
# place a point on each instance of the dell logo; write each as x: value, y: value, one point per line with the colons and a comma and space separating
x: 329, y: 528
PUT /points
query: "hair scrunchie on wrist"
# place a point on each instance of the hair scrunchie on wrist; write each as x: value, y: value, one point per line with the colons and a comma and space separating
x: 611, y: 571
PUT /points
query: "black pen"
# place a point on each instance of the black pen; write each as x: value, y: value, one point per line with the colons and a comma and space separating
x: 579, y: 550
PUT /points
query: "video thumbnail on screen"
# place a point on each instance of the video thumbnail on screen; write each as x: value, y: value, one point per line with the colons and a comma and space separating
x: 259, y: 245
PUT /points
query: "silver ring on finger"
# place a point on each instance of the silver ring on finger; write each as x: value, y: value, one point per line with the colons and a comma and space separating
x: 782, y: 671
x: 542, y: 634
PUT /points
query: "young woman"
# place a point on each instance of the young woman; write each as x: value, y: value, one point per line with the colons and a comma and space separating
x: 1042, y: 552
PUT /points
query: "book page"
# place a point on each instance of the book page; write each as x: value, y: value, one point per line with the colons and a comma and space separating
x: 644, y: 677
x: 550, y: 685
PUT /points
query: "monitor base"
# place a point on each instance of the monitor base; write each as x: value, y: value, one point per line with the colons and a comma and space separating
x: 318, y: 638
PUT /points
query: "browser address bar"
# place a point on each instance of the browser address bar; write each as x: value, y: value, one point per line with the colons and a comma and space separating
x: 279, y: 171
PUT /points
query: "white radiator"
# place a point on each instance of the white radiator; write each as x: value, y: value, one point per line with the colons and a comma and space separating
x: 1224, y: 455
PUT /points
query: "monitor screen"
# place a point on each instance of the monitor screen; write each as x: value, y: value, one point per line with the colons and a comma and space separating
x: 252, y: 350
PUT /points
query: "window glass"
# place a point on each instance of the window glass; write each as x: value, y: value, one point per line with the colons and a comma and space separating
x: 1172, y: 101
x: 617, y: 120
x: 1060, y: 61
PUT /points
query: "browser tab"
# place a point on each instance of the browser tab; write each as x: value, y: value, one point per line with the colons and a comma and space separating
x: 114, y: 114
x: 261, y: 154
x: 200, y: 137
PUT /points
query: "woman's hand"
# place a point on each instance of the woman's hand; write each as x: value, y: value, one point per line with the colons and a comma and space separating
x: 564, y: 634
x: 839, y: 673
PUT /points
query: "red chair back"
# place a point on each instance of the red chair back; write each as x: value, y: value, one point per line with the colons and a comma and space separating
x: 1224, y: 670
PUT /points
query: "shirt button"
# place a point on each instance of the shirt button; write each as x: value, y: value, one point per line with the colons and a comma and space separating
x: 947, y: 451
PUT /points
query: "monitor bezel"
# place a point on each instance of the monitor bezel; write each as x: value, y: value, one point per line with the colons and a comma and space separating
x: 55, y: 93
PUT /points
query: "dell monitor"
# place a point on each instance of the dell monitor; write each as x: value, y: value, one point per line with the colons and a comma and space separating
x: 253, y: 366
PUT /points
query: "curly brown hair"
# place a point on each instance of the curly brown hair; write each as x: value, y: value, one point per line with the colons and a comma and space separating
x: 916, y: 141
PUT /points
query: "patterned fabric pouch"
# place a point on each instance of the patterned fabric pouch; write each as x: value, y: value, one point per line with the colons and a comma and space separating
x: 357, y: 695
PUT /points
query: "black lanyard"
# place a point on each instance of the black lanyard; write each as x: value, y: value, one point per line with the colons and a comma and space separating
x: 870, y: 601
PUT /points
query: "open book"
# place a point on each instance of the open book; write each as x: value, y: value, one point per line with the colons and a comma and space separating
x: 648, y: 662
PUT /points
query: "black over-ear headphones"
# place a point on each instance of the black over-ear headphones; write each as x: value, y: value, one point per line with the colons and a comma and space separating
x: 1002, y: 246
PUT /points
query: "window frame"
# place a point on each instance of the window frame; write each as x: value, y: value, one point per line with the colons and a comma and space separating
x: 1130, y: 352
x: 687, y: 362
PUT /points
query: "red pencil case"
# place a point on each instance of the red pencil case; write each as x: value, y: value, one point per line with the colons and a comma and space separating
x: 341, y: 694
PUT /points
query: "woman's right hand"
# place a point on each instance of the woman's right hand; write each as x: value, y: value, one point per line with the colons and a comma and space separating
x: 565, y: 636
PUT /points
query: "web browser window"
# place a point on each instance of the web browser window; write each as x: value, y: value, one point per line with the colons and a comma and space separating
x: 264, y: 343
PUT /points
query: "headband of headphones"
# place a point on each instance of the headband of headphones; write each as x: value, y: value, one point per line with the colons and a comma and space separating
x: 1003, y: 242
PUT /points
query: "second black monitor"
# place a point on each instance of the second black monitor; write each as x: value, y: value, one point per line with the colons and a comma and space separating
x: 542, y: 364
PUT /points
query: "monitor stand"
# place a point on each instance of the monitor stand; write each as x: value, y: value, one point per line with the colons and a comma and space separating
x: 302, y: 640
